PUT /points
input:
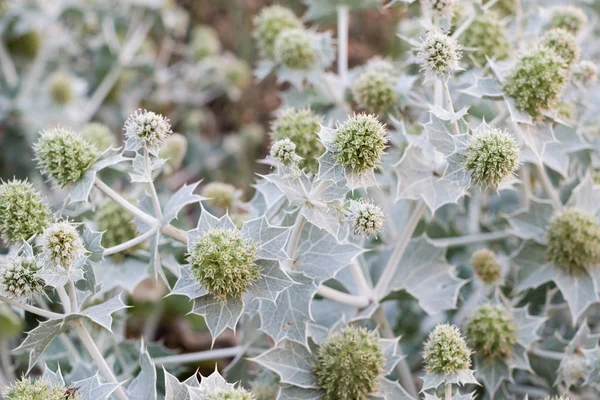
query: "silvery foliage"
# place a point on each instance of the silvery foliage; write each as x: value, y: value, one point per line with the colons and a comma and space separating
x: 316, y: 277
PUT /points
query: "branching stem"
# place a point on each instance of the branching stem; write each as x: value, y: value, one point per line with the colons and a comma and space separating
x: 32, y: 309
x: 130, y: 243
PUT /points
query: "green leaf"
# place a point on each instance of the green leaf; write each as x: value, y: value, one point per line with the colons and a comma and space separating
x: 93, y: 389
x: 143, y: 386
x: 219, y: 314
x: 183, y: 197
x: 292, y: 362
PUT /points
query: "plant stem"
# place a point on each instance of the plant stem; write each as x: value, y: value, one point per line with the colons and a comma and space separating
x: 153, y: 194
x: 8, y: 67
x: 344, y: 298
x: 73, y: 296
x: 198, y: 356
x: 387, y: 276
x: 33, y: 309
x: 130, y: 243
x: 343, y: 22
x: 551, y: 355
x: 90, y: 345
x: 468, y: 239
x: 295, y: 236
x: 448, y: 391
x: 64, y: 299
x: 402, y: 369
x: 474, y: 211
x: 548, y: 187
x: 450, y: 107
x: 5, y: 360
x: 364, y: 288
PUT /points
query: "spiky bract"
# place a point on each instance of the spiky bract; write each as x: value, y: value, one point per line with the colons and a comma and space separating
x: 445, y: 351
x: 486, y: 266
x: 491, y: 156
x: 269, y: 23
x: 147, y: 129
x: 492, y: 331
x: 18, y: 277
x: 349, y: 365
x: 61, y: 244
x: 439, y: 54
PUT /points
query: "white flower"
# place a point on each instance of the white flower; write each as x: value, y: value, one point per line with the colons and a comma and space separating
x: 147, y: 129
x: 61, y: 244
x: 284, y: 152
x: 439, y: 54
x: 365, y: 217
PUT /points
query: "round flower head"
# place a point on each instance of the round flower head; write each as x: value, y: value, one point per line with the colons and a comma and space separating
x: 381, y: 66
x: 229, y: 394
x: 573, y: 369
x: 22, y: 211
x: 284, y: 152
x: 442, y: 8
x: 537, y: 81
x: 573, y: 238
x: 204, y: 42
x: 563, y: 44
x: 492, y: 155
x: 486, y: 265
x: 147, y: 129
x: 487, y: 36
x: 61, y: 244
x: 117, y: 225
x: 222, y: 261
x: 61, y: 88
x: 570, y: 18
x: 586, y: 72
x: 439, y: 54
x: 445, y: 351
x: 219, y: 194
x: 349, y: 365
x: 64, y: 155
x: 237, y: 73
x: 301, y: 126
x: 374, y: 91
x: 491, y: 331
x: 365, y: 217
x: 173, y: 151
x: 18, y: 277
x: 294, y: 49
x: 99, y: 135
x: 269, y: 23
x: 359, y: 143
x: 40, y: 389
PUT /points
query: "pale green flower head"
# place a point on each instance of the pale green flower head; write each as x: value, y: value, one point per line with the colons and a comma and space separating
x: 40, y: 389
x: 570, y: 18
x: 237, y: 72
x: 488, y: 37
x: 563, y: 43
x: 349, y: 365
x: 445, y: 351
x: 294, y: 48
x: 365, y: 218
x: 229, y: 394
x: 492, y: 155
x: 486, y: 266
x: 117, y: 226
x: 99, y: 135
x: 204, y: 42
x: 442, y: 8
x: 284, y: 152
x: 359, y: 143
x: 223, y: 262
x: 537, y: 81
x: 173, y: 152
x: 23, y: 213
x: 586, y: 72
x: 269, y: 23
x: 18, y: 277
x: 301, y: 126
x: 61, y: 244
x: 147, y: 129
x: 61, y: 88
x: 492, y: 331
x: 573, y: 238
x: 25, y: 44
x: 221, y: 195
x: 64, y: 155
x: 375, y: 91
x: 438, y: 54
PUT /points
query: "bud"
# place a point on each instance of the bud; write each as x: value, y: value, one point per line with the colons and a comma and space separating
x: 486, y: 265
x: 174, y: 152
x: 492, y: 331
x: 26, y: 44
x: 359, y: 143
x: 488, y: 37
x: 229, y: 394
x: 204, y: 42
x: 18, y: 277
x: 40, y: 389
x: 445, y: 351
x: 269, y: 23
x: 223, y: 262
x: 573, y: 241
x: 64, y: 155
x: 61, y: 88
x: 365, y: 217
x: 301, y: 126
x: 61, y: 244
x: 147, y: 129
x: 441, y: 8
x: 570, y: 18
x: 117, y: 226
x: 573, y: 369
x: 381, y: 66
x: 221, y: 195
x: 439, y: 54
x: 349, y: 365
x: 537, y: 81
x: 22, y: 211
x: 563, y: 44
x: 586, y: 72
x: 491, y: 156
x: 284, y: 152
x: 99, y: 135
x: 375, y: 91
x: 294, y: 48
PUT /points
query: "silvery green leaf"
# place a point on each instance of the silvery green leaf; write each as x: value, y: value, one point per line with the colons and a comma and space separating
x: 527, y: 326
x: 219, y: 314
x: 292, y: 362
x: 390, y: 348
x: 585, y: 196
x: 290, y: 187
x: 54, y: 378
x: 208, y: 222
x: 102, y: 313
x: 273, y: 280
x: 92, y: 241
x: 390, y: 390
x: 538, y: 138
x: 323, y: 217
x: 432, y: 380
x: 583, y: 339
x: 143, y: 386
x: 269, y: 239
x: 263, y: 69
x: 426, y: 275
x: 40, y: 337
x: 88, y: 283
x: 484, y: 88
x: 186, y: 285
x: 175, y: 390
x: 183, y: 197
x: 155, y: 267
x: 288, y: 316
x: 592, y: 357
x: 557, y: 154
x: 328, y: 168
x: 290, y: 392
x: 491, y: 373
x: 518, y: 116
x: 531, y: 223
x: 80, y: 191
x: 214, y: 382
x: 532, y: 268
x: 580, y: 291
x: 320, y: 255
x: 126, y: 274
x: 93, y: 389
x: 449, y: 116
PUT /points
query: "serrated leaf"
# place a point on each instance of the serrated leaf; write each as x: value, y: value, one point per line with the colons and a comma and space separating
x: 219, y: 314
x: 270, y: 239
x: 491, y: 373
x: 531, y: 223
x: 580, y: 292
x: 273, y: 280
x: 93, y: 389
x: 175, y: 390
x: 183, y: 197
x: 484, y: 88
x: 289, y: 392
x: 292, y: 362
x: 102, y: 313
x: 532, y: 268
x: 143, y: 386
x: 40, y: 337
x: 186, y: 285
x: 80, y: 191
x: 126, y: 275
x: 92, y: 241
x: 391, y: 390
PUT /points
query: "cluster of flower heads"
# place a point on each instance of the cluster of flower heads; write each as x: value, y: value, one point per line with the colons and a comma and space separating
x: 147, y: 129
x: 294, y: 48
x: 492, y: 331
x: 365, y: 218
x: 271, y: 22
x: 19, y: 277
x: 445, y: 351
x: 349, y: 365
x: 492, y: 155
x: 23, y: 213
x: 439, y: 54
x: 40, y: 389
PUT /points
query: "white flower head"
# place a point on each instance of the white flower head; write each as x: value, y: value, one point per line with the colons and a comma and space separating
x: 146, y: 129
x: 61, y: 244
x: 439, y: 54
x: 18, y: 277
x: 365, y: 217
x: 443, y: 8
x: 284, y: 152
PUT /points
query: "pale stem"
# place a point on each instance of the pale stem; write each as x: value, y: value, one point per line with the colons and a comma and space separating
x: 64, y: 299
x: 551, y: 355
x: 8, y: 67
x: 343, y: 21
x: 364, y: 288
x: 475, y: 238
x: 344, y: 298
x: 525, y: 175
x: 438, y: 93
x: 198, y: 356
x: 295, y: 236
x: 474, y: 211
x: 548, y: 187
x: 33, y: 309
x: 402, y: 369
x: 130, y: 243
x: 448, y: 391
x: 73, y: 296
x: 450, y: 107
x: 153, y: 194
x: 387, y: 276
x: 464, y: 26
x: 5, y: 360
x: 97, y: 357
